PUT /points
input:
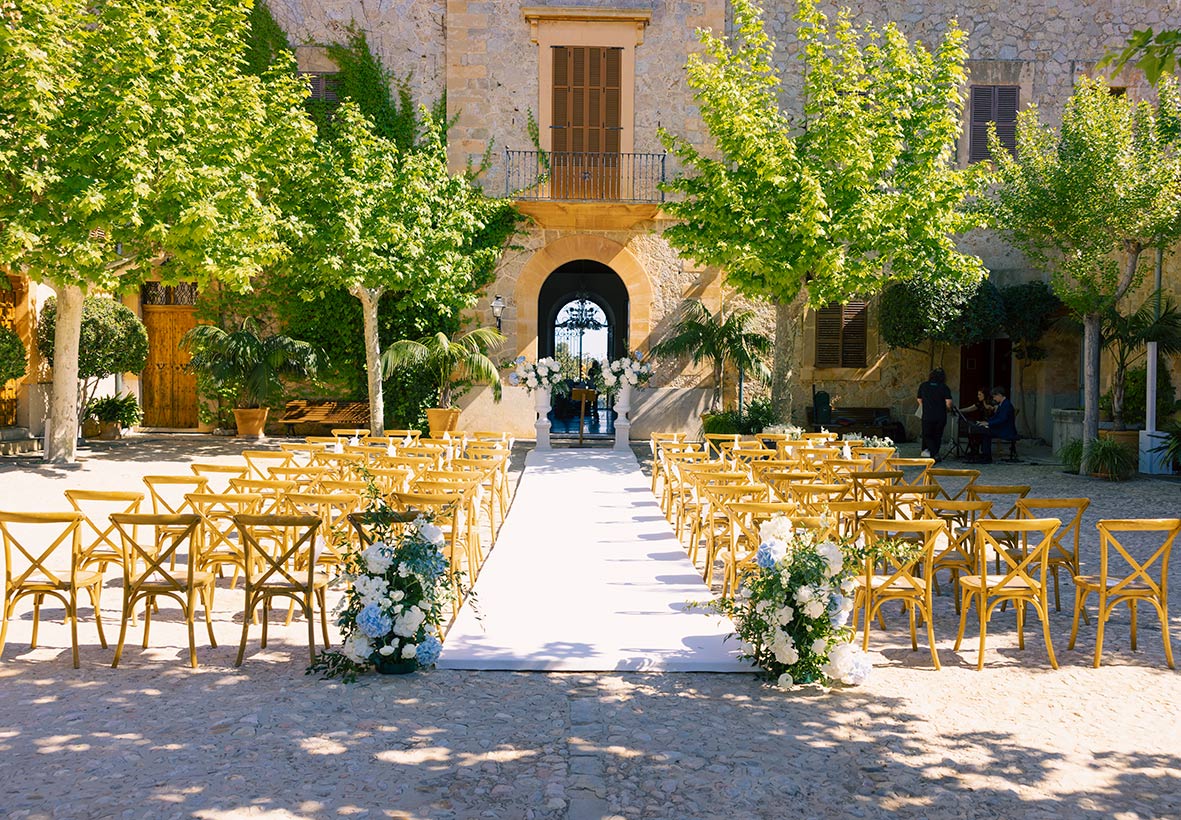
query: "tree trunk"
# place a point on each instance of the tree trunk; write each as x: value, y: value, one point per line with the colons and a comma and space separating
x: 1090, y: 381
x: 782, y: 370
x: 1117, y: 398
x: 61, y: 445
x: 370, y: 297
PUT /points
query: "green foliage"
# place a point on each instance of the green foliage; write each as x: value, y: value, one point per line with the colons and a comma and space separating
x: 1029, y: 312
x: 266, y: 43
x: 1072, y: 455
x: 723, y: 423
x: 915, y: 311
x: 253, y: 364
x: 1135, y: 395
x: 1154, y: 53
x: 124, y: 410
x: 446, y: 363
x: 1171, y: 448
x: 114, y: 340
x: 1110, y: 459
x: 1127, y: 337
x: 722, y: 338
x: 760, y: 414
x: 14, y: 359
x: 862, y: 191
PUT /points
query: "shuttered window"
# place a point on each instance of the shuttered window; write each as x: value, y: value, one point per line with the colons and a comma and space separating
x: 586, y: 101
x: 841, y: 334
x: 323, y: 85
x: 987, y: 104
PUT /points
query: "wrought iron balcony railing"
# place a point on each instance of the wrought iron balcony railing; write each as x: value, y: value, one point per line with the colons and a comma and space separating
x: 572, y: 176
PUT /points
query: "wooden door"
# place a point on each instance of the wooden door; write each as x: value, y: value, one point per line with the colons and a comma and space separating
x: 587, y: 125
x: 169, y: 390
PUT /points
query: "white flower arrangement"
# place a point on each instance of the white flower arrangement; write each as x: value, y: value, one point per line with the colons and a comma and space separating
x: 792, y: 608
x: 789, y: 430
x: 544, y: 374
x: 631, y: 370
x: 399, y: 593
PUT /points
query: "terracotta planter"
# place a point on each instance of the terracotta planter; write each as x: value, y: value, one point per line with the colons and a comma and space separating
x: 110, y: 430
x: 252, y: 423
x: 441, y: 421
x: 91, y: 429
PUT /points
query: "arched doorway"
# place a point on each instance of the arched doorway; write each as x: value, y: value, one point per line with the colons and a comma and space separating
x: 588, y: 287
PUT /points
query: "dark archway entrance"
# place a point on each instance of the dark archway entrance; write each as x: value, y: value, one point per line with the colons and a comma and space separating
x: 599, y: 285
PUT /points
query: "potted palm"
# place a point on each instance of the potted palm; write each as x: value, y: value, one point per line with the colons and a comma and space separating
x: 252, y: 365
x: 722, y: 338
x: 1127, y: 338
x: 448, y: 364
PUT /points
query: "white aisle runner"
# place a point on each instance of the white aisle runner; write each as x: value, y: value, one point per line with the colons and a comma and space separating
x: 587, y: 576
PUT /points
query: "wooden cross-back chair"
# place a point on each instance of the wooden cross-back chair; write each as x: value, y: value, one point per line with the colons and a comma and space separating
x: 218, y: 534
x: 865, y: 483
x: 261, y: 461
x: 449, y: 513
x: 713, y: 521
x: 1126, y: 576
x: 953, y: 484
x: 1064, y: 547
x: 957, y: 554
x: 1022, y: 582
x: 285, y: 567
x: 907, y: 576
x: 219, y: 475
x: 43, y: 557
x: 161, y: 577
x: 100, y: 541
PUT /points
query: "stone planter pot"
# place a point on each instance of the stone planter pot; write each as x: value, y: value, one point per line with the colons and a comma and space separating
x: 91, y: 429
x: 252, y: 422
x: 1068, y: 425
x: 441, y: 420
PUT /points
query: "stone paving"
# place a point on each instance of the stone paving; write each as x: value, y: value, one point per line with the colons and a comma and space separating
x: 156, y: 739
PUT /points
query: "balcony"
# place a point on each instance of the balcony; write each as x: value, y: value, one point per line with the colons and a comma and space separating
x: 579, y: 177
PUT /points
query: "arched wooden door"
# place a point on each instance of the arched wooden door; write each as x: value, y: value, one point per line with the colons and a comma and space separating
x: 169, y: 390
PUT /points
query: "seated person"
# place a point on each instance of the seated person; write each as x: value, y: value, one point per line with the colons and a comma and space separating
x: 980, y: 411
x: 1002, y: 424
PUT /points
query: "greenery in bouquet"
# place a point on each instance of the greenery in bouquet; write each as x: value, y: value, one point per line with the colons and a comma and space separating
x: 792, y: 609
x: 785, y: 429
x: 544, y: 374
x: 631, y: 370
x: 869, y: 441
x: 399, y: 591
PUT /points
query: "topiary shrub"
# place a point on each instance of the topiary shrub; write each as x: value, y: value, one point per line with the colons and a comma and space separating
x: 113, y: 340
x: 14, y: 359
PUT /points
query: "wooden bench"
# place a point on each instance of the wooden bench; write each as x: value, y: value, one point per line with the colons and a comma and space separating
x: 325, y: 413
x: 865, y: 421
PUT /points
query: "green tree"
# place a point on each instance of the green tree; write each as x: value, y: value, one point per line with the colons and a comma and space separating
x: 383, y: 222
x: 14, y: 359
x: 722, y: 338
x: 1154, y: 53
x: 914, y: 312
x: 861, y: 190
x: 112, y: 340
x: 1085, y: 201
x: 129, y: 135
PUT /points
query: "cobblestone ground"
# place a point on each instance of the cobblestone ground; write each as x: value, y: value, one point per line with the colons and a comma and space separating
x: 156, y: 739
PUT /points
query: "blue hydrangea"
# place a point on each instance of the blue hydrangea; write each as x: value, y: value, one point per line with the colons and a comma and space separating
x: 428, y: 650
x: 374, y: 622
x: 764, y: 558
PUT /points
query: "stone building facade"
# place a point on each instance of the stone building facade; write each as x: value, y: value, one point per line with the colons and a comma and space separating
x: 496, y: 61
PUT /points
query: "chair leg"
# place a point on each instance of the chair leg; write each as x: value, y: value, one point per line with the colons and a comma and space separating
x: 207, y: 599
x: 1100, y: 622
x: 1080, y: 599
x: 914, y: 641
x: 266, y: 619
x: 1162, y: 610
x: 128, y: 608
x: 1132, y: 609
x: 1020, y: 624
x: 247, y: 613
x: 982, y: 610
x: 98, y: 618
x: 1043, y: 611
x: 36, y: 620
x: 8, y: 605
x: 151, y: 599
x: 930, y: 608
x: 324, y: 616
x: 72, y: 614
x: 306, y: 605
x: 190, y: 613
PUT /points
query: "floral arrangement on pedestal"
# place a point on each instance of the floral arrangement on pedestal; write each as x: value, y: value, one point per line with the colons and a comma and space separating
x: 792, y: 609
x: 544, y: 374
x: 632, y: 370
x: 400, y: 589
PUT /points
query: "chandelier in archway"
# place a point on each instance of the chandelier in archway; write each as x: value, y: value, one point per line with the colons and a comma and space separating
x: 581, y: 315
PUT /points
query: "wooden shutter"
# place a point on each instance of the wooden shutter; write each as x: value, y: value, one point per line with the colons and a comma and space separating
x: 586, y: 122
x: 841, y: 334
x: 323, y: 85
x: 987, y: 104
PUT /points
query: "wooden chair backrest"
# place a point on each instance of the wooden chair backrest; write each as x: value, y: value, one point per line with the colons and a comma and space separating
x: 99, y: 538
x: 993, y: 537
x: 260, y: 461
x: 219, y: 475
x: 953, y: 484
x: 1064, y: 547
x: 168, y: 492
x: 33, y: 542
x: 159, y: 553
x: 287, y: 563
x: 1137, y: 572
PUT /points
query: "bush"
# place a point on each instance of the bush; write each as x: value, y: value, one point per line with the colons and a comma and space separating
x: 1110, y: 459
x: 123, y: 410
x: 1136, y: 394
x: 725, y: 423
x: 759, y: 416
x: 1072, y: 455
x: 14, y: 359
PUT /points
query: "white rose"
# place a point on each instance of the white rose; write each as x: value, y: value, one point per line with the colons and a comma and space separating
x: 814, y: 608
x: 387, y: 650
x: 831, y: 554
x: 784, y: 615
x: 431, y: 533
x: 819, y: 645
x: 785, y: 682
x: 804, y: 594
x: 357, y: 648
x: 409, y: 651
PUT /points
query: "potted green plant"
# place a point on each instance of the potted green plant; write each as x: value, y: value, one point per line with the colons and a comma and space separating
x: 254, y: 365
x: 113, y: 414
x: 1109, y: 459
x: 448, y: 364
x: 1171, y: 448
x: 1072, y: 456
x: 1127, y: 337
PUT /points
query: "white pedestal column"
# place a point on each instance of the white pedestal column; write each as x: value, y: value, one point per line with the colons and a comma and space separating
x: 541, y: 399
x: 623, y: 403
x: 1150, y: 462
